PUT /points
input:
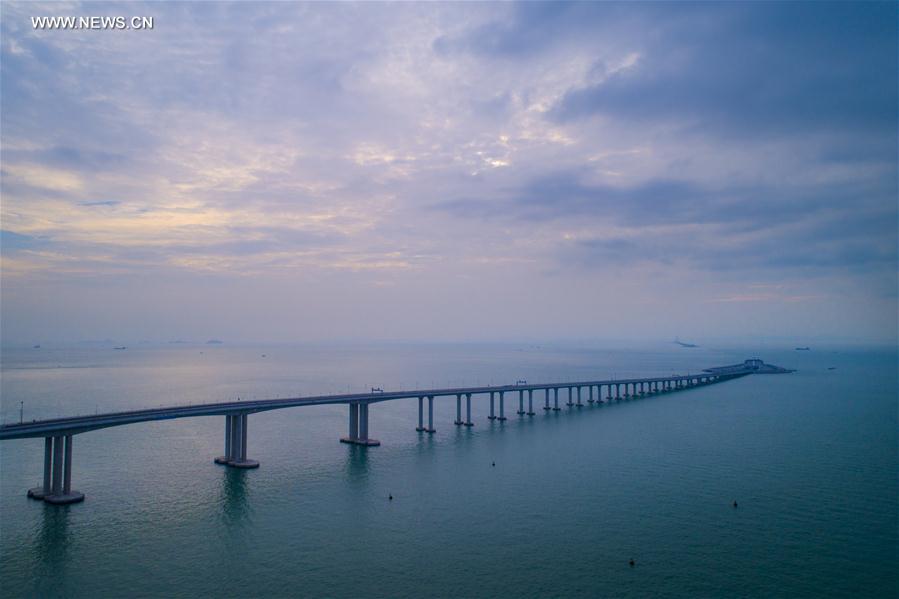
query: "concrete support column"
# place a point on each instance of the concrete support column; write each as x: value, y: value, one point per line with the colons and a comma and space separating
x: 352, y: 435
x: 569, y: 403
x: 492, y: 415
x: 431, y: 428
x: 618, y: 392
x: 546, y: 404
x: 502, y: 405
x: 579, y: 403
x: 458, y: 421
x: 56, y: 485
x: 359, y: 426
x: 240, y: 427
x: 609, y: 391
x: 229, y: 435
x: 468, y: 421
x: 60, y: 490
x: 363, y: 423
x: 521, y: 411
x: 421, y: 423
x: 530, y: 402
x: 44, y: 489
x: 556, y: 407
x: 590, y: 394
x: 243, y: 437
x: 67, y: 473
x: 236, y: 438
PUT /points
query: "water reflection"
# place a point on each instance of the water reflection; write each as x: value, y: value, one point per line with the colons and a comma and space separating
x: 51, y: 549
x: 356, y: 464
x: 234, y: 496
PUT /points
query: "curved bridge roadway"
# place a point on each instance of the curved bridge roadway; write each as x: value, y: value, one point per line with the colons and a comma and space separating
x: 58, y: 432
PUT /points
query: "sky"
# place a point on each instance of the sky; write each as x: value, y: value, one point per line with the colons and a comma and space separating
x: 287, y: 172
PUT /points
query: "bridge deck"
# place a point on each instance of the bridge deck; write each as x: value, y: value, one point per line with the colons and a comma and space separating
x: 80, y: 424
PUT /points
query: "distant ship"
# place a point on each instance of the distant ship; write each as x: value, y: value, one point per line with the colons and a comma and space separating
x: 803, y: 349
x: 38, y: 346
x: 214, y: 342
x: 120, y: 347
x: 682, y: 344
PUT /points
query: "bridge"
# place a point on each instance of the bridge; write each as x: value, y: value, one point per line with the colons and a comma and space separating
x: 58, y: 433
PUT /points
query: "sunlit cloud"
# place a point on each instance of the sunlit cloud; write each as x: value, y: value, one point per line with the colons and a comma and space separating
x: 364, y: 147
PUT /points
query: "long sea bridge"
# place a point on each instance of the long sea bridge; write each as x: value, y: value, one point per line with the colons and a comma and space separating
x: 58, y: 433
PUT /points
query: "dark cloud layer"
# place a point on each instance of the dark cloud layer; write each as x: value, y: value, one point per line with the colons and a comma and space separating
x: 770, y: 70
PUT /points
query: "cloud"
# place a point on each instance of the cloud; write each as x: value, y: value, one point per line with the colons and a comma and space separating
x: 458, y: 146
x: 749, y: 71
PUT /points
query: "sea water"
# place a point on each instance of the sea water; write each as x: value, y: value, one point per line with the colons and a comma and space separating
x: 810, y: 457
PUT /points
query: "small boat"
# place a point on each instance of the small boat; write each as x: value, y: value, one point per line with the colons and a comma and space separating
x: 831, y: 368
x: 120, y: 347
x: 38, y: 346
x: 803, y: 349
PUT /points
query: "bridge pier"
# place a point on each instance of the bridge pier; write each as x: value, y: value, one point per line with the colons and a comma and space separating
x: 353, y: 432
x: 364, y: 439
x: 546, y: 400
x: 530, y: 402
x: 238, y: 454
x: 358, y: 426
x: 521, y: 411
x: 502, y: 409
x: 468, y: 421
x: 421, y: 425
x: 492, y: 415
x: 590, y: 394
x: 58, y: 473
x: 579, y: 403
x: 44, y: 490
x: 458, y: 421
x: 570, y: 403
x: 556, y: 407
x: 430, y: 428
x: 224, y: 459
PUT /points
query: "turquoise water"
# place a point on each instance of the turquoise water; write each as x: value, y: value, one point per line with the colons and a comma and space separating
x: 811, y: 457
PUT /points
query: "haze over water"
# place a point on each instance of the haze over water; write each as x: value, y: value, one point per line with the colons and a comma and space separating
x: 809, y: 456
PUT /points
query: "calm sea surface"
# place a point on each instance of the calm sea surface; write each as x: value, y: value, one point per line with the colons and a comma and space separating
x: 811, y: 457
